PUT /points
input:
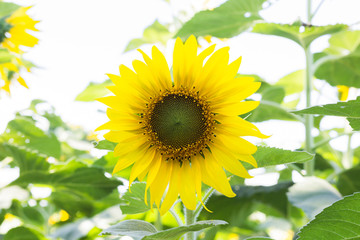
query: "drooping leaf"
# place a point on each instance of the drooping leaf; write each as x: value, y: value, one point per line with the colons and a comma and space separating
x: 269, y: 156
x: 133, y: 228
x: 133, y: 202
x: 154, y: 33
x: 349, y: 181
x: 175, y: 233
x: 22, y: 131
x: 337, y: 222
x: 225, y: 21
x: 89, y: 180
x: 94, y: 91
x: 302, y: 35
x: 312, y: 195
x: 349, y: 109
x: 7, y: 8
x: 21, y: 233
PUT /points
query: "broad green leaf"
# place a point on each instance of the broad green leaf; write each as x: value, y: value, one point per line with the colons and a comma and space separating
x: 22, y: 131
x: 268, y: 110
x: 5, y: 55
x: 91, y: 181
x: 175, y: 233
x: 26, y: 160
x: 338, y: 222
x: 343, y: 43
x: 293, y: 82
x: 274, y: 94
x: 28, y: 214
x: 105, y: 145
x: 154, y: 33
x: 6, y: 8
x: 133, y: 202
x: 133, y: 228
x: 302, y: 35
x: 312, y: 195
x: 94, y: 91
x: 349, y: 181
x: 228, y: 20
x: 236, y: 210
x: 350, y: 110
x: 22, y: 233
x: 258, y: 238
x: 270, y: 156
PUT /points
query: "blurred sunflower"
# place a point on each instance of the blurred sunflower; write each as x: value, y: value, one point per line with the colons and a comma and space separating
x: 182, y: 132
x: 16, y: 27
x: 13, y: 34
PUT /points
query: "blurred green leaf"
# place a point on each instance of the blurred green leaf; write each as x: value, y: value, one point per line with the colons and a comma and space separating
x: 7, y: 8
x: 312, y: 195
x: 258, y: 238
x: 274, y: 94
x: 343, y: 43
x: 154, y: 33
x: 349, y: 109
x: 105, y: 145
x: 228, y: 20
x: 302, y: 35
x: 269, y: 156
x: 349, y: 181
x: 91, y: 181
x: 27, y: 161
x: 236, y: 210
x: 22, y: 131
x: 337, y: 222
x: 94, y: 91
x: 5, y: 55
x: 133, y: 202
x: 133, y: 228
x: 22, y: 233
x: 268, y: 110
x: 28, y: 214
x: 293, y: 82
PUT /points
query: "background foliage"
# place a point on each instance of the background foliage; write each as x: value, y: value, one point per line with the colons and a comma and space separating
x: 64, y: 189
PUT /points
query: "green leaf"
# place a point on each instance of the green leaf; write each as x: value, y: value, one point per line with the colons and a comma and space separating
x: 337, y: 222
x: 349, y: 181
x: 94, y: 91
x: 258, y: 238
x: 350, y: 110
x: 269, y: 156
x: 312, y: 195
x: 228, y: 20
x: 134, y: 200
x: 154, y: 33
x: 175, y: 233
x: 91, y: 181
x: 21, y: 233
x: 132, y: 228
x: 293, y: 82
x: 22, y: 131
x: 236, y: 210
x: 7, y: 8
x: 105, y: 145
x: 268, y: 110
x: 28, y: 214
x: 274, y: 94
x: 343, y: 43
x: 302, y: 35
x: 5, y: 55
x: 27, y: 161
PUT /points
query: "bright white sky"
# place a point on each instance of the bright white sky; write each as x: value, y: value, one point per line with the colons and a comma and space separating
x: 81, y: 40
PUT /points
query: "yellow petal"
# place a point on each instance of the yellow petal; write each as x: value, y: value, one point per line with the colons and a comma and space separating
x: 173, y: 191
x: 236, y: 109
x: 187, y: 186
x: 160, y: 183
x: 141, y: 164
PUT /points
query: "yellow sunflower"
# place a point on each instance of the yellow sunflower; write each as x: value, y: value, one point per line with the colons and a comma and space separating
x: 17, y: 26
x: 182, y: 132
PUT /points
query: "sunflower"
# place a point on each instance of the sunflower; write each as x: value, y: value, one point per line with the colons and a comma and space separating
x: 16, y: 27
x: 182, y: 132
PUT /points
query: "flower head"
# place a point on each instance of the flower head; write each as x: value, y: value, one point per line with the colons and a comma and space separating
x: 182, y: 132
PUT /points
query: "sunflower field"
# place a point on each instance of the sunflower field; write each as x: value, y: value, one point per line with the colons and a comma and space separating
x: 179, y: 119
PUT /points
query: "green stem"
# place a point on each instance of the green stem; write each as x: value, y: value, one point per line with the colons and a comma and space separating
x: 309, y: 121
x: 348, y: 157
x: 189, y: 219
x: 176, y: 216
x: 206, y: 197
x: 158, y: 224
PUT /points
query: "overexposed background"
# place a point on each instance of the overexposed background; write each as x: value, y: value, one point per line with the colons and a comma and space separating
x: 82, y: 40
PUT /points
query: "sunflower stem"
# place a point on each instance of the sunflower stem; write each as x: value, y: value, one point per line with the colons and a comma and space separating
x: 309, y: 121
x: 189, y: 219
x: 206, y: 197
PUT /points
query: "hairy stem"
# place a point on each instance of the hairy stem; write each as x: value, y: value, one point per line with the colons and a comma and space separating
x: 189, y: 219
